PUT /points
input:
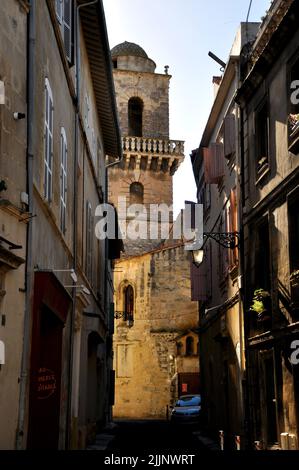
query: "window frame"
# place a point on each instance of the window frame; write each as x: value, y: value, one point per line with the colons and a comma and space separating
x: 189, y: 349
x: 89, y: 245
x: 48, y: 141
x: 262, y: 168
x: 129, y: 314
x: 68, y: 26
x: 65, y: 18
x: 59, y: 5
x: 63, y: 179
x: 140, y: 185
x: 134, y: 123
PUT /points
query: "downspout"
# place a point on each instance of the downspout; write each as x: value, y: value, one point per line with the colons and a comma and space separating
x: 25, y: 364
x: 75, y: 205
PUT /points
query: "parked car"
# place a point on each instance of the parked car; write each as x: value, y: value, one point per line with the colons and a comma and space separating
x: 187, y: 409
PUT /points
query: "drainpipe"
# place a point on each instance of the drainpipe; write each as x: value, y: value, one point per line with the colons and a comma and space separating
x: 25, y: 364
x: 75, y: 205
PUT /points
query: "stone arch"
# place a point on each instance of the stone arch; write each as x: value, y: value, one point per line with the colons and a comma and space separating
x: 121, y: 297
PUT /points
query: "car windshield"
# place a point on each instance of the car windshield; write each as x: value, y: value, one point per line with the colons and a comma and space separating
x: 189, y: 401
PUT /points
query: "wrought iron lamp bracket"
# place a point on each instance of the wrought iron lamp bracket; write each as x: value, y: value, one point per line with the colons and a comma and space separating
x: 225, y: 239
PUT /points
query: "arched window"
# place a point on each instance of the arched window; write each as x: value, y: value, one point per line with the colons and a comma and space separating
x: 135, y: 108
x: 129, y: 304
x: 189, y: 346
x: 136, y: 193
x: 179, y: 349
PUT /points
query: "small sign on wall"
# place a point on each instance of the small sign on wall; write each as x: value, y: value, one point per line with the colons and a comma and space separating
x: 2, y: 353
x: 184, y: 388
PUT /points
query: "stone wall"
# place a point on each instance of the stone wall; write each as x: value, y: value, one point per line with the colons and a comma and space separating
x: 145, y: 353
x: 153, y: 90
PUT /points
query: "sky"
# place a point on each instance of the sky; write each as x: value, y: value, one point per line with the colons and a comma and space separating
x: 180, y: 33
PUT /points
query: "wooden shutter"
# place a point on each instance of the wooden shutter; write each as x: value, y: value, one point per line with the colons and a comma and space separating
x: 198, y: 282
x: 214, y: 163
x: 229, y: 135
x: 234, y: 224
x: 67, y: 28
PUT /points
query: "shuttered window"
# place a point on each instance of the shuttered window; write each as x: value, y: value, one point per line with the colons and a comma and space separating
x: 214, y: 163
x: 63, y: 179
x: 48, y: 139
x: 233, y: 227
x: 229, y: 132
x: 89, y: 229
x: 198, y: 282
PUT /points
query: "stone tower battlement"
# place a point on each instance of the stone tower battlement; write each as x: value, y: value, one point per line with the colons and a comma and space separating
x: 150, y: 158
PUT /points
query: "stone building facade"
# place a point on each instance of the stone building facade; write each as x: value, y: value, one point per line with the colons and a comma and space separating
x: 154, y: 315
x: 13, y: 210
x: 217, y: 281
x: 55, y: 315
x: 270, y: 137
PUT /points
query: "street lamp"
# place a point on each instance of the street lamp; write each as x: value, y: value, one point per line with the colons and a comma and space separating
x: 229, y: 240
x: 198, y: 257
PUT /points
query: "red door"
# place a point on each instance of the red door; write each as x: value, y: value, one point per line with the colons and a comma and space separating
x: 45, y: 384
x: 50, y: 308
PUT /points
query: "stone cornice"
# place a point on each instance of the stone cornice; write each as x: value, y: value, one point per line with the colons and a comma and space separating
x: 9, y: 260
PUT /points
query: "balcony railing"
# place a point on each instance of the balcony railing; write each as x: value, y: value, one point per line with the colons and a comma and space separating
x: 155, y: 146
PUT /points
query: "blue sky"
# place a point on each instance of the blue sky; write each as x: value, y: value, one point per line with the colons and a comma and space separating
x: 180, y: 33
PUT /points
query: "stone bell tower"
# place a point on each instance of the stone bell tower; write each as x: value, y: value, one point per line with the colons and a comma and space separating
x: 150, y: 158
x: 154, y: 316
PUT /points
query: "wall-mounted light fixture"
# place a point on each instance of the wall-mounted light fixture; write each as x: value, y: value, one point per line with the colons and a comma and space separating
x: 229, y: 240
x: 19, y: 116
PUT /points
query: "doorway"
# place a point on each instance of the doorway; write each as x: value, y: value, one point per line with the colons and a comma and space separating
x: 269, y: 399
x: 46, y: 383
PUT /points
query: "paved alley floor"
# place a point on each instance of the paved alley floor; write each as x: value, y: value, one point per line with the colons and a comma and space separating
x: 145, y: 435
